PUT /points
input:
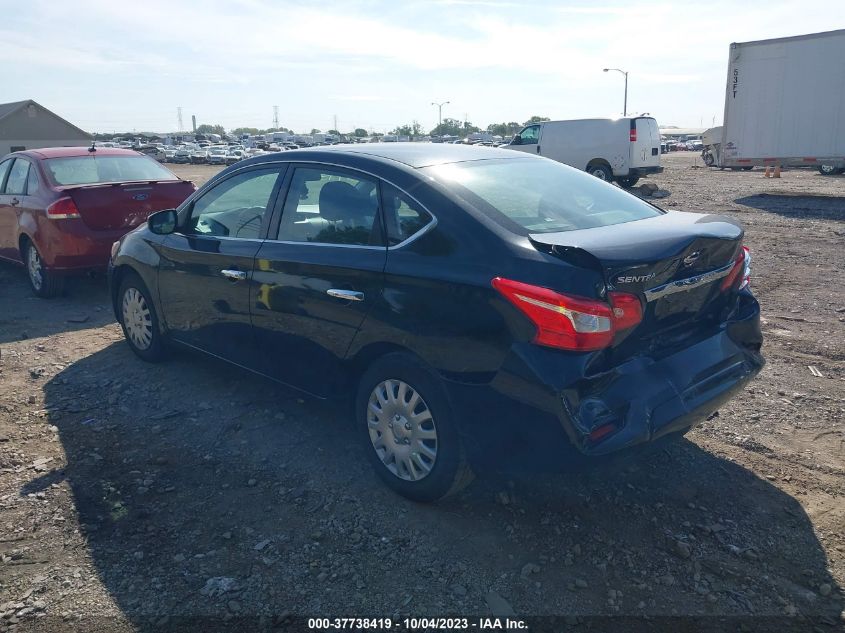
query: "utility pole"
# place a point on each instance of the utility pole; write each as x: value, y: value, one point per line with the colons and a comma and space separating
x: 440, y: 113
x: 624, y: 72
x: 276, y: 117
x: 179, y: 118
x: 335, y: 124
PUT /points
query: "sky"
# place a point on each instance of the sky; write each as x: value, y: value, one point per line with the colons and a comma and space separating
x: 107, y: 65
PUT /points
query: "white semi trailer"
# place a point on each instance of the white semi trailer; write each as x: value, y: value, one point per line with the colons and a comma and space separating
x: 784, y: 104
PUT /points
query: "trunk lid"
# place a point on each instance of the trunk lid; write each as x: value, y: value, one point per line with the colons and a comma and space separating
x: 673, y: 262
x: 125, y: 205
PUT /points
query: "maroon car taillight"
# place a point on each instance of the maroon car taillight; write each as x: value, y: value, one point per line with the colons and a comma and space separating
x: 570, y: 322
x: 63, y: 209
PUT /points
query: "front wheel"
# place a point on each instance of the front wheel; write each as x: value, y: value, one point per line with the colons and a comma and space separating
x: 139, y: 320
x: 44, y: 283
x: 829, y: 170
x: 409, y: 433
x: 628, y: 181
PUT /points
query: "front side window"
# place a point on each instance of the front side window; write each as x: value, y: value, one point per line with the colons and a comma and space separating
x: 88, y: 170
x: 329, y: 207
x: 403, y: 216
x: 16, y: 182
x: 235, y: 207
x: 4, y: 169
x: 539, y: 196
x: 530, y: 135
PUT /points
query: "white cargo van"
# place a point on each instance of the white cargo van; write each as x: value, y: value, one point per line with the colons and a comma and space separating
x: 611, y: 149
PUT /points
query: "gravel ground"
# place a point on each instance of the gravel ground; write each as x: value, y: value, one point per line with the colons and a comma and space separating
x: 133, y: 494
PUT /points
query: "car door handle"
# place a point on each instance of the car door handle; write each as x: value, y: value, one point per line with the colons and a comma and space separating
x: 538, y: 149
x: 348, y: 295
x: 14, y: 202
x: 234, y: 275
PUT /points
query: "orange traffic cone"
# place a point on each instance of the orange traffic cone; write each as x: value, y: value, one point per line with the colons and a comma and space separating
x: 777, y: 172
x: 767, y: 173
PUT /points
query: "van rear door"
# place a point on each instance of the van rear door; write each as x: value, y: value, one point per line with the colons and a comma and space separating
x: 645, y: 142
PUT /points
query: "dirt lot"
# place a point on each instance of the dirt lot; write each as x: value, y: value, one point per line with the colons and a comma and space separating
x: 132, y: 494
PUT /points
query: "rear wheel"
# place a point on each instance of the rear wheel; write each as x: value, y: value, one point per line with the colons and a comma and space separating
x: 408, y: 429
x: 139, y: 320
x: 628, y: 181
x: 44, y: 283
x: 829, y: 170
x: 600, y: 171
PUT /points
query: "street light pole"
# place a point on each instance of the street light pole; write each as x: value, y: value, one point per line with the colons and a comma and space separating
x: 624, y: 72
x: 439, y: 112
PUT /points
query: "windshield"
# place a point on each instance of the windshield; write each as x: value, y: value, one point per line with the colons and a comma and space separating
x: 539, y: 196
x: 86, y: 170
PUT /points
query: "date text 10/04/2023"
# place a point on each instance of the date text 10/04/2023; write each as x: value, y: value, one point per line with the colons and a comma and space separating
x: 417, y: 624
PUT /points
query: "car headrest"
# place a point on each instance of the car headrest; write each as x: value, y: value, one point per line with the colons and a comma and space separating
x: 339, y: 201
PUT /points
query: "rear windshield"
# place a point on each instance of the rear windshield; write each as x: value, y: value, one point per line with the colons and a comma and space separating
x: 540, y: 196
x: 87, y: 170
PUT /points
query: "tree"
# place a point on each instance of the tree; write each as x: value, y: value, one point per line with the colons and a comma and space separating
x: 505, y: 130
x: 360, y: 132
x: 536, y: 119
x: 450, y: 127
x: 238, y: 131
x: 314, y: 130
x: 205, y: 128
x: 334, y: 132
x: 412, y: 129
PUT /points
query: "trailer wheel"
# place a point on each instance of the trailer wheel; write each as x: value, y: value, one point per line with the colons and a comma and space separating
x: 709, y: 160
x: 829, y: 170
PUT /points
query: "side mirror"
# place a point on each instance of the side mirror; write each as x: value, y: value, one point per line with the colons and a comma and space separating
x: 517, y: 140
x: 163, y: 222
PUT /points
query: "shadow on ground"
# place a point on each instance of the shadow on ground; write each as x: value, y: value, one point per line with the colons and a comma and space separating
x: 797, y: 206
x: 203, y: 490
x: 85, y: 304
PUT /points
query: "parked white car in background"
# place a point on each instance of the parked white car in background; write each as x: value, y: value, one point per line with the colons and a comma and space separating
x: 621, y: 150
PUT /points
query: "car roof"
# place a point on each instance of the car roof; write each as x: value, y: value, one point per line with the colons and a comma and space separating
x: 412, y: 154
x: 66, y: 152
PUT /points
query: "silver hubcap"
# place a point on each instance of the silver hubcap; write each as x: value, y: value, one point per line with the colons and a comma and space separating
x: 402, y: 430
x: 599, y: 173
x: 137, y: 319
x: 33, y: 265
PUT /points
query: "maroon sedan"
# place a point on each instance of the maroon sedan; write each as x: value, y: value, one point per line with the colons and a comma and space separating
x: 62, y: 208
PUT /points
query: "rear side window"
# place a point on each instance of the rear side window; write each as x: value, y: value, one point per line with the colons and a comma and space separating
x: 16, y: 182
x: 32, y: 183
x: 403, y: 216
x: 87, y: 170
x: 330, y: 207
x: 539, y: 196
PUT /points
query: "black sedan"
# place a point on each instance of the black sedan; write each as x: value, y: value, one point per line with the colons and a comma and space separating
x: 473, y: 300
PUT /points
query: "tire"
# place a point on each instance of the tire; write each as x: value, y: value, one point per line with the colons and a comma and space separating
x: 138, y: 319
x: 600, y: 171
x: 709, y: 160
x: 829, y: 170
x: 749, y: 168
x: 399, y: 386
x: 628, y: 181
x: 44, y: 283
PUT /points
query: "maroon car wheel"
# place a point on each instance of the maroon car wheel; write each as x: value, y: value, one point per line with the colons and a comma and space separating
x: 44, y: 283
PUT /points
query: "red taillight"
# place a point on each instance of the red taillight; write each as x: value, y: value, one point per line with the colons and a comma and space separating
x: 633, y: 135
x: 569, y: 322
x: 627, y: 310
x: 741, y: 271
x: 63, y: 209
